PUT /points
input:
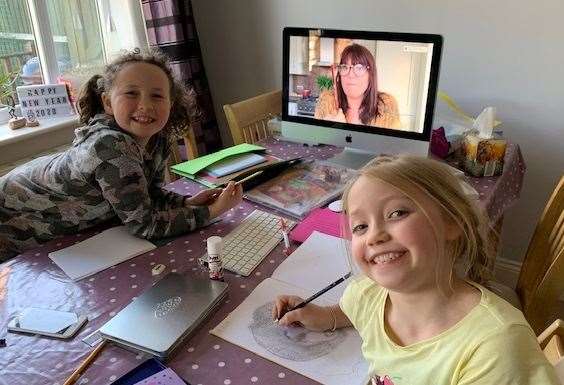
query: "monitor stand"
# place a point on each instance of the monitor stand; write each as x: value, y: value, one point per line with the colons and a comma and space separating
x: 352, y: 158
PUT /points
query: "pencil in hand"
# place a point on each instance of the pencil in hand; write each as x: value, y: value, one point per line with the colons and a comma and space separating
x: 248, y: 177
x: 316, y: 295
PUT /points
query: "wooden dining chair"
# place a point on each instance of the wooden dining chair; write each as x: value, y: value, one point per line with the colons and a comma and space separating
x: 541, y: 281
x: 190, y: 151
x: 552, y: 342
x: 248, y: 119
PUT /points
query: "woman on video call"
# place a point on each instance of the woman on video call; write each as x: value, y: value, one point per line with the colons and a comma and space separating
x: 355, y: 98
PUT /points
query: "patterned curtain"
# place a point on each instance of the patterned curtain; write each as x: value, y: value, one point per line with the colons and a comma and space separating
x: 171, y: 28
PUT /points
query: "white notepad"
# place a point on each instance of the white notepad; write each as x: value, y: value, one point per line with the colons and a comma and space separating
x: 99, y: 252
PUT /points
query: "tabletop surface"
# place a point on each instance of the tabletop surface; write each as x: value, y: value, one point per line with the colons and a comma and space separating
x: 33, y: 280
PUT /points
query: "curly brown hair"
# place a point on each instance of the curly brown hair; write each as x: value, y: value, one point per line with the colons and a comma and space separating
x: 184, y: 111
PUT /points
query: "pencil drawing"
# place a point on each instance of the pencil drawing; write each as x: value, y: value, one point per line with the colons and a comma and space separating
x: 292, y: 343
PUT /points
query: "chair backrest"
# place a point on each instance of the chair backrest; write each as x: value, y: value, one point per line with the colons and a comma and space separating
x: 190, y: 152
x: 248, y: 119
x: 552, y: 343
x: 541, y: 281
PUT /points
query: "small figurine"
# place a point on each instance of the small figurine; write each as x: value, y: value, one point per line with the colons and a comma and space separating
x: 14, y: 122
x: 31, y: 120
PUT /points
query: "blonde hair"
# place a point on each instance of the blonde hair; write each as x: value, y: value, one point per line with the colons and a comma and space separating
x: 473, y: 249
x: 184, y: 108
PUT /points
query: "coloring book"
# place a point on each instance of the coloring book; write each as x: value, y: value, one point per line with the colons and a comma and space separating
x: 302, y: 187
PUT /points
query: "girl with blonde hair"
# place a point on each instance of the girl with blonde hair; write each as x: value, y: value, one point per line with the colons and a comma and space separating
x: 420, y: 305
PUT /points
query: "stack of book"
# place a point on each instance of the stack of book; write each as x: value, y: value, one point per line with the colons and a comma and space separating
x: 230, y: 164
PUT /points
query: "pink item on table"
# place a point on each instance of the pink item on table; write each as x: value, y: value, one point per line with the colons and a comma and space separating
x: 322, y: 220
x: 439, y: 143
x: 164, y: 377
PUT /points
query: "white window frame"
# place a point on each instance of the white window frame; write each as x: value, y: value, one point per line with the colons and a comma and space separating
x: 45, y: 40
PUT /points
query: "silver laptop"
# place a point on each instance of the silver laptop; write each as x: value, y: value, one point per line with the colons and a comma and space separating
x: 165, y: 314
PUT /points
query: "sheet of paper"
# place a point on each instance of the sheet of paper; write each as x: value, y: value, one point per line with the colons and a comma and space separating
x: 319, y: 261
x: 331, y: 358
x: 164, y: 377
x: 99, y: 252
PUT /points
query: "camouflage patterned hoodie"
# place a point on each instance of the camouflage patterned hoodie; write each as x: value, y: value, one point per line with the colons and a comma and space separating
x: 104, y: 174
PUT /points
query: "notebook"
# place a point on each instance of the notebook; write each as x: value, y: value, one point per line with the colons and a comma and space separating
x: 97, y: 253
x: 193, y: 166
x: 145, y: 371
x: 234, y: 163
x: 160, y: 318
x: 164, y: 377
x: 320, y: 219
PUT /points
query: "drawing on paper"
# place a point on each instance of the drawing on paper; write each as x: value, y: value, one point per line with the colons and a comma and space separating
x: 291, y: 343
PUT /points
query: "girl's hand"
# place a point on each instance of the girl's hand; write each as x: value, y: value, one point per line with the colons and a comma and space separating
x: 339, y: 116
x: 230, y: 197
x: 312, y: 317
x: 204, y: 197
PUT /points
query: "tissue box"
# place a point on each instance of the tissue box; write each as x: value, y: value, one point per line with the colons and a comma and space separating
x: 483, y: 157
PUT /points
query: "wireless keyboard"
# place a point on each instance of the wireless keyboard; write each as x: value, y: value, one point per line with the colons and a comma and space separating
x: 250, y: 242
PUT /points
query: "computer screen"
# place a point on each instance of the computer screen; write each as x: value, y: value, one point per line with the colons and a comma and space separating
x: 373, y: 91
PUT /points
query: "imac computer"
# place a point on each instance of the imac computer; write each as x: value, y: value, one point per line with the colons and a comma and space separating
x: 370, y: 92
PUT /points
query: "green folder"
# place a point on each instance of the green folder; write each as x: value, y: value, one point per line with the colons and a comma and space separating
x: 190, y: 168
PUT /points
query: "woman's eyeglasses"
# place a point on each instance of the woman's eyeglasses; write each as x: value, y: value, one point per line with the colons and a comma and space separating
x: 358, y: 69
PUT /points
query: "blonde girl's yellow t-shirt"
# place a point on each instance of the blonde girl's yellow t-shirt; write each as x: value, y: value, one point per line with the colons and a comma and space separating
x: 493, y: 344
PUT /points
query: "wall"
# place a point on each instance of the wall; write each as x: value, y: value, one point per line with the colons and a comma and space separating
x: 504, y: 53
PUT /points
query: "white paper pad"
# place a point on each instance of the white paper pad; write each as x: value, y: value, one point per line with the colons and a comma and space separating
x: 320, y: 260
x: 99, y: 252
x: 331, y: 358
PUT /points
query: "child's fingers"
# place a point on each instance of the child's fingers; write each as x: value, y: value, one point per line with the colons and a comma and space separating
x: 214, y: 191
x: 277, y: 310
x: 283, y: 302
x: 294, y: 316
x: 238, y: 190
x: 228, y: 190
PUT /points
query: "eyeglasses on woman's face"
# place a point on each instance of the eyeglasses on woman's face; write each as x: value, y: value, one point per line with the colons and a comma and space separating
x: 358, y: 69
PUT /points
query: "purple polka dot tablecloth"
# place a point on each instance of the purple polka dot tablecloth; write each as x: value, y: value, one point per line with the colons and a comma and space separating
x: 33, y: 280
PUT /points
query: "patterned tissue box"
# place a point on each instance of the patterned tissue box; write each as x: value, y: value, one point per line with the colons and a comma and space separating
x: 483, y: 157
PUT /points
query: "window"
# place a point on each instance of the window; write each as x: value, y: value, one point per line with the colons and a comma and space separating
x: 17, y: 44
x: 65, y: 41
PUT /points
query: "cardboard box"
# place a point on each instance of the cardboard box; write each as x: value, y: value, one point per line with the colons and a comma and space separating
x: 483, y: 157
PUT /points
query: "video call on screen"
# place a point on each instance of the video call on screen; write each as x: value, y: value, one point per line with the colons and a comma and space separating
x: 374, y: 83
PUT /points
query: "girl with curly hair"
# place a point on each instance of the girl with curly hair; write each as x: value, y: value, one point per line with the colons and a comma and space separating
x: 114, y: 169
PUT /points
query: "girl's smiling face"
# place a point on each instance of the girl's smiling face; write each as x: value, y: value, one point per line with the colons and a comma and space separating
x: 139, y: 100
x: 393, y: 240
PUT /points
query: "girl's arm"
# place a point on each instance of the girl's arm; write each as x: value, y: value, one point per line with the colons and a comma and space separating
x: 120, y: 176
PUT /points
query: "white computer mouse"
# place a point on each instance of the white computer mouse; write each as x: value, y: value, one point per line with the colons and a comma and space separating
x: 336, y: 206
